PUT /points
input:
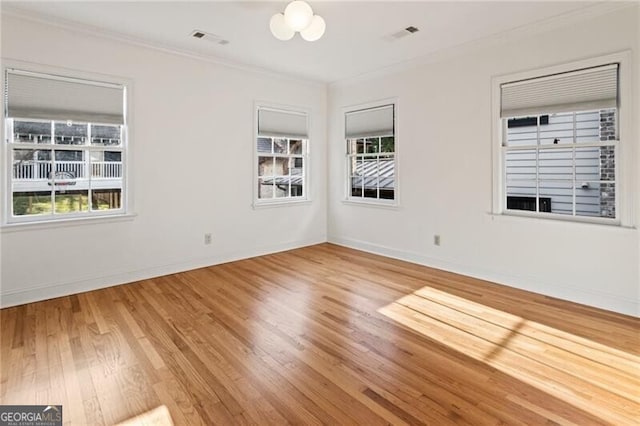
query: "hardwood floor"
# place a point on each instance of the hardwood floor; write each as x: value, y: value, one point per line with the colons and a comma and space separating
x: 322, y: 335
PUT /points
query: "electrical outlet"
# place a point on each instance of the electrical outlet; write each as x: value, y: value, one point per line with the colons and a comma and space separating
x: 436, y: 240
x: 207, y: 239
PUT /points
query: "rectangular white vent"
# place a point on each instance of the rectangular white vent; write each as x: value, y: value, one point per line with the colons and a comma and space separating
x: 403, y: 33
x: 213, y: 38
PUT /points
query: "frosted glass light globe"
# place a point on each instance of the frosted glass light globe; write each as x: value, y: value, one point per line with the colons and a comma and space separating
x: 315, y: 30
x: 279, y: 28
x: 298, y: 15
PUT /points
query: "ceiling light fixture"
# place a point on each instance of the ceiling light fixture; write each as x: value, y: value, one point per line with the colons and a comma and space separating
x: 297, y: 17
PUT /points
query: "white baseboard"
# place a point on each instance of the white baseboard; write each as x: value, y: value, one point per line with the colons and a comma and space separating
x: 53, y: 290
x: 596, y: 299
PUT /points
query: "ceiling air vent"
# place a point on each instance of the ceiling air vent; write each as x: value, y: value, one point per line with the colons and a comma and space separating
x: 403, y: 33
x: 203, y: 35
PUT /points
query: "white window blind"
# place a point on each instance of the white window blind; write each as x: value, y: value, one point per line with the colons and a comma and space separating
x: 587, y: 89
x: 42, y: 96
x: 377, y: 121
x: 276, y: 123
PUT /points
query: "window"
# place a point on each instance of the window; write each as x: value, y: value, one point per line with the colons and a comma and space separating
x: 65, y: 141
x: 281, y: 155
x: 560, y: 144
x: 371, y: 160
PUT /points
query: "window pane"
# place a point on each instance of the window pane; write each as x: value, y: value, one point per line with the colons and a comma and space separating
x: 295, y: 146
x: 589, y: 164
x: 387, y: 194
x: 607, y: 163
x: 370, y: 192
x: 369, y: 168
x: 70, y: 165
x: 521, y: 164
x: 265, y: 188
x: 32, y: 131
x: 31, y: 164
x: 264, y: 145
x: 522, y: 134
x: 106, y: 199
x: 356, y: 187
x: 282, y: 166
x: 559, y: 194
x: 265, y: 166
x: 355, y: 171
x: 106, y: 164
x: 105, y: 135
x: 588, y: 199
x: 295, y: 166
x: 515, y: 202
x: 31, y: 203
x: 372, y: 145
x: 370, y: 173
x: 296, y: 190
x: 112, y: 156
x: 68, y: 133
x: 280, y: 146
x: 559, y: 130
x: 386, y: 181
x: 282, y: 187
x: 521, y: 195
x: 555, y: 163
x: 359, y: 146
x: 355, y: 166
x: 608, y: 125
x: 387, y: 144
x: 605, y: 193
x: 69, y: 156
x: 587, y: 126
x: 71, y: 201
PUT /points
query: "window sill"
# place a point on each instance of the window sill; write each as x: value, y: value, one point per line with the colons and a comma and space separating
x: 390, y: 205
x: 511, y: 217
x: 63, y: 223
x: 269, y: 204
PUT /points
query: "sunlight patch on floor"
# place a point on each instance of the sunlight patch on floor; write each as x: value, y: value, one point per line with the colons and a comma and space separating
x: 561, y: 364
x: 159, y: 416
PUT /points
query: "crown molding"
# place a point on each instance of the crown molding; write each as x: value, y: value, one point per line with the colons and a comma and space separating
x: 548, y: 24
x: 43, y: 19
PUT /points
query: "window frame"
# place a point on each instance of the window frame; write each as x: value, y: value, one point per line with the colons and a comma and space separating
x: 306, y: 150
x: 7, y: 220
x: 624, y: 147
x: 364, y: 201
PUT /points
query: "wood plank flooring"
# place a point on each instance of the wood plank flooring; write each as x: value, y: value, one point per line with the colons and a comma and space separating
x: 322, y: 335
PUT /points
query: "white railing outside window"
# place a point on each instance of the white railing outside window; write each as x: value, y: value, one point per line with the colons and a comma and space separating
x: 33, y: 170
x: 41, y: 170
x: 106, y: 169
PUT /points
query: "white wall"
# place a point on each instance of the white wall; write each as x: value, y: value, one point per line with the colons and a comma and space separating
x: 192, y: 149
x: 445, y: 169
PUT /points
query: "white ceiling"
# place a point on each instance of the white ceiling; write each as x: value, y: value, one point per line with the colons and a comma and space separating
x: 357, y: 40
